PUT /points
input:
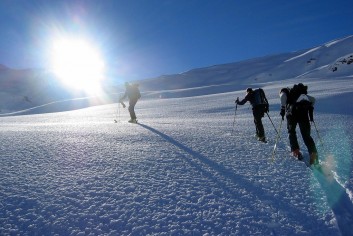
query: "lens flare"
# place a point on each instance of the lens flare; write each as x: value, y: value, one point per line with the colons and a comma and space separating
x: 336, y: 155
x: 77, y: 64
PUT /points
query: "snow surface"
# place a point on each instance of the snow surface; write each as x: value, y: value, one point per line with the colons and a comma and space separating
x: 184, y: 170
x: 191, y: 167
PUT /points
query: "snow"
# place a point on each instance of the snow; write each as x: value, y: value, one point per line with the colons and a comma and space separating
x: 183, y: 170
x: 304, y: 54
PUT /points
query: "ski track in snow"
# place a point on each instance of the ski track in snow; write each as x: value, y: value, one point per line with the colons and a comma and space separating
x: 183, y: 170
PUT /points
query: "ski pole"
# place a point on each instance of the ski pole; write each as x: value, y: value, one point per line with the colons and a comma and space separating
x: 318, y: 135
x: 119, y: 112
x: 272, y: 122
x: 277, y: 138
x: 235, y: 112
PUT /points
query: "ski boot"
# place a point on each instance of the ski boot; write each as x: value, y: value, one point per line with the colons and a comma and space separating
x: 262, y: 139
x: 314, y: 159
x: 297, y: 154
x: 134, y: 121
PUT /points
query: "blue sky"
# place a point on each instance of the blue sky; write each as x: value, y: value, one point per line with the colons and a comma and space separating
x: 146, y: 38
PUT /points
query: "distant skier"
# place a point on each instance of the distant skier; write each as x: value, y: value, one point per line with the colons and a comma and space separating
x: 298, y: 107
x: 260, y: 106
x: 133, y: 93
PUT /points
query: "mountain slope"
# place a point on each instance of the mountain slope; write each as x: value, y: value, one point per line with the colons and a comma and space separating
x: 314, y: 62
x: 28, y: 89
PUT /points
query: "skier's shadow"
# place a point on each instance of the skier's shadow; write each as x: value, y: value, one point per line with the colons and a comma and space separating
x: 229, y: 174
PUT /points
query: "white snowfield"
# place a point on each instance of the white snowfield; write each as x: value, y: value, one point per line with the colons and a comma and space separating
x: 184, y: 170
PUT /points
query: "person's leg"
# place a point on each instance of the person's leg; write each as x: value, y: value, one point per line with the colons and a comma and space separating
x: 132, y: 109
x: 292, y: 135
x: 305, y: 130
x: 258, y: 123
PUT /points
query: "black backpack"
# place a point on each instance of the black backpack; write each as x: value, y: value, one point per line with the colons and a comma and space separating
x: 260, y: 99
x: 295, y: 92
x: 293, y: 96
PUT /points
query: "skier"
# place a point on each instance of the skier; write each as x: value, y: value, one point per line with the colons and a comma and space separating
x: 133, y: 93
x: 259, y: 104
x: 298, y: 107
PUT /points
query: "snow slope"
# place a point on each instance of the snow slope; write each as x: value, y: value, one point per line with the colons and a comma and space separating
x: 184, y: 170
x: 314, y: 62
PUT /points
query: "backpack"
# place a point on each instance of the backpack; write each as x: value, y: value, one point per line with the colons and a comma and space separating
x: 296, y: 92
x: 133, y: 92
x: 137, y: 91
x: 260, y: 99
x: 297, y: 99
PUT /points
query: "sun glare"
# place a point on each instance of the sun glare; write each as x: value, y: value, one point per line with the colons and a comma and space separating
x: 78, y: 64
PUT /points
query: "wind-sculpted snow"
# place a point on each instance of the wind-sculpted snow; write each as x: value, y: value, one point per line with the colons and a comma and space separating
x: 184, y: 170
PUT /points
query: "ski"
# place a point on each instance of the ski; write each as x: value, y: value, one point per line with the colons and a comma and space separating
x: 133, y: 121
x: 263, y: 140
x: 303, y: 158
x: 320, y: 168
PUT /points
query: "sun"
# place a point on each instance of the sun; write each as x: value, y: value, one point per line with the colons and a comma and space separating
x: 77, y: 63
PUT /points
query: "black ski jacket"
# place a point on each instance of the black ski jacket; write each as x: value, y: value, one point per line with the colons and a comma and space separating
x: 132, y: 92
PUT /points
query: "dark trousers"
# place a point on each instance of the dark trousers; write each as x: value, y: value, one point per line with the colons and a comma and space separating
x: 302, y: 119
x: 132, y: 104
x: 258, y: 114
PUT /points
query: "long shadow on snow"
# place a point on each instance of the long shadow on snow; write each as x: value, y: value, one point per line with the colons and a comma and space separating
x: 231, y: 175
x: 339, y: 201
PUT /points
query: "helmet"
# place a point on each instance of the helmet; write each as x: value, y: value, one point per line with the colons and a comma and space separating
x: 249, y: 90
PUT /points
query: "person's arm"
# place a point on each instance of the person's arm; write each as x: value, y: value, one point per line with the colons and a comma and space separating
x: 283, y: 97
x: 242, y: 102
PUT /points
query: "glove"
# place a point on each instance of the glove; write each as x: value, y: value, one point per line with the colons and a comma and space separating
x: 283, y: 112
x: 311, y: 114
x: 237, y: 101
x: 122, y: 103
